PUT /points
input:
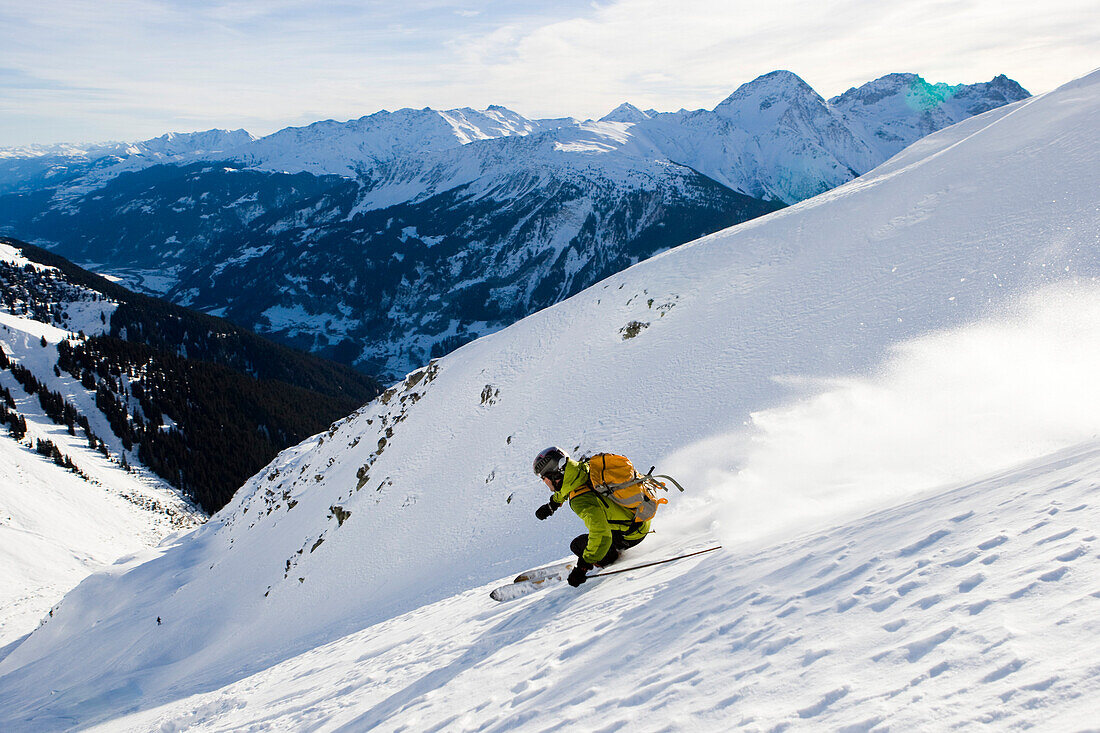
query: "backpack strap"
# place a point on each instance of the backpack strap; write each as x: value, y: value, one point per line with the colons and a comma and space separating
x: 674, y: 481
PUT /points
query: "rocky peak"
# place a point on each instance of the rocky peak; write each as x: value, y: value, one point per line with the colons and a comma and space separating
x: 998, y: 91
x: 897, y: 109
x: 926, y: 95
x: 764, y: 91
x: 207, y: 141
x: 625, y: 112
x: 873, y: 91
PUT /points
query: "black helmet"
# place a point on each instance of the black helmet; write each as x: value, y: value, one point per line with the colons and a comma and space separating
x: 550, y: 463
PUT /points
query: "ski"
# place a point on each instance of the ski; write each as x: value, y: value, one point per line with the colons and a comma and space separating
x: 546, y: 572
x: 533, y: 580
x: 539, y: 578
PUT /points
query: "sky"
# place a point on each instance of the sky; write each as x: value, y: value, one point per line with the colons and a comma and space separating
x: 90, y: 70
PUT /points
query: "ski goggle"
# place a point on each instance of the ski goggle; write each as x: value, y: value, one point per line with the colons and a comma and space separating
x: 546, y: 466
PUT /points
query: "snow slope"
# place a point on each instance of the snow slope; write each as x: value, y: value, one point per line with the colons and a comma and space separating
x: 426, y: 492
x: 56, y: 527
x: 977, y: 605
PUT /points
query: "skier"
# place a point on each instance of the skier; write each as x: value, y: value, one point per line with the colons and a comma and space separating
x: 611, y: 528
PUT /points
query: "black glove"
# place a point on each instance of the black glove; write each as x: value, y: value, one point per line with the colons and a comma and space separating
x: 544, y: 511
x: 579, y: 574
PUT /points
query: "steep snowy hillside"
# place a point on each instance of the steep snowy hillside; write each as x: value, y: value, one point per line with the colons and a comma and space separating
x: 687, y: 361
x: 394, y: 238
x: 973, y: 607
x: 58, y: 527
x: 59, y: 523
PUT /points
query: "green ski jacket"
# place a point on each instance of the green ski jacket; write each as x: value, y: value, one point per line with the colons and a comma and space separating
x: 601, y: 516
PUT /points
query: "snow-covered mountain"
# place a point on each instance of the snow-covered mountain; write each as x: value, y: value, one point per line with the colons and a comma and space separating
x: 76, y: 168
x: 355, y: 147
x: 626, y: 112
x: 932, y: 324
x: 167, y: 145
x: 898, y: 109
x: 199, y: 401
x: 393, y: 238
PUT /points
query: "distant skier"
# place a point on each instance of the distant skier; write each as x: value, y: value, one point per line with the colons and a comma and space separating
x: 611, y: 527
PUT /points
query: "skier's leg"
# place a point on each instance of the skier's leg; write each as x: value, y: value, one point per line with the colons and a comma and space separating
x: 620, y: 542
x: 578, y: 545
x: 617, y: 543
x: 611, y: 556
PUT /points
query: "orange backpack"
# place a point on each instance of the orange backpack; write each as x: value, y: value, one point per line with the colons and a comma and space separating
x: 614, y: 477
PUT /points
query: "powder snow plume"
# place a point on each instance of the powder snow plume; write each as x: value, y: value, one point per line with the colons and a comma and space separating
x: 948, y: 407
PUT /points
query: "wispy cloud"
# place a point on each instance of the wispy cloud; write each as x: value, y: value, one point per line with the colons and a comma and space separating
x: 132, y: 68
x: 695, y: 52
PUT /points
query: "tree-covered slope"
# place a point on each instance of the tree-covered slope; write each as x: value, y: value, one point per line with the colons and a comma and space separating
x: 199, y: 401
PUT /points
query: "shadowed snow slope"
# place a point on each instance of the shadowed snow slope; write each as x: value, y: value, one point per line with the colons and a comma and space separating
x: 426, y: 493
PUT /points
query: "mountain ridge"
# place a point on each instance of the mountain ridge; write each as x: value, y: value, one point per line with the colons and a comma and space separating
x: 515, y: 213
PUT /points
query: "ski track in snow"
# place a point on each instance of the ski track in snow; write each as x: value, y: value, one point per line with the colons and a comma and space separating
x: 978, y: 605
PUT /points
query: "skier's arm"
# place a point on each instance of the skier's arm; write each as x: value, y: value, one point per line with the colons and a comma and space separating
x: 576, y: 476
x: 547, y: 509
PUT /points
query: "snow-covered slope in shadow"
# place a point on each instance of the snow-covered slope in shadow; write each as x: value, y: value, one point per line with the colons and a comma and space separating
x: 427, y: 492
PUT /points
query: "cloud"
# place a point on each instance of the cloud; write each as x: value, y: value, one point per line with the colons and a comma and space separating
x: 23, y: 80
x: 695, y: 52
x: 277, y: 62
